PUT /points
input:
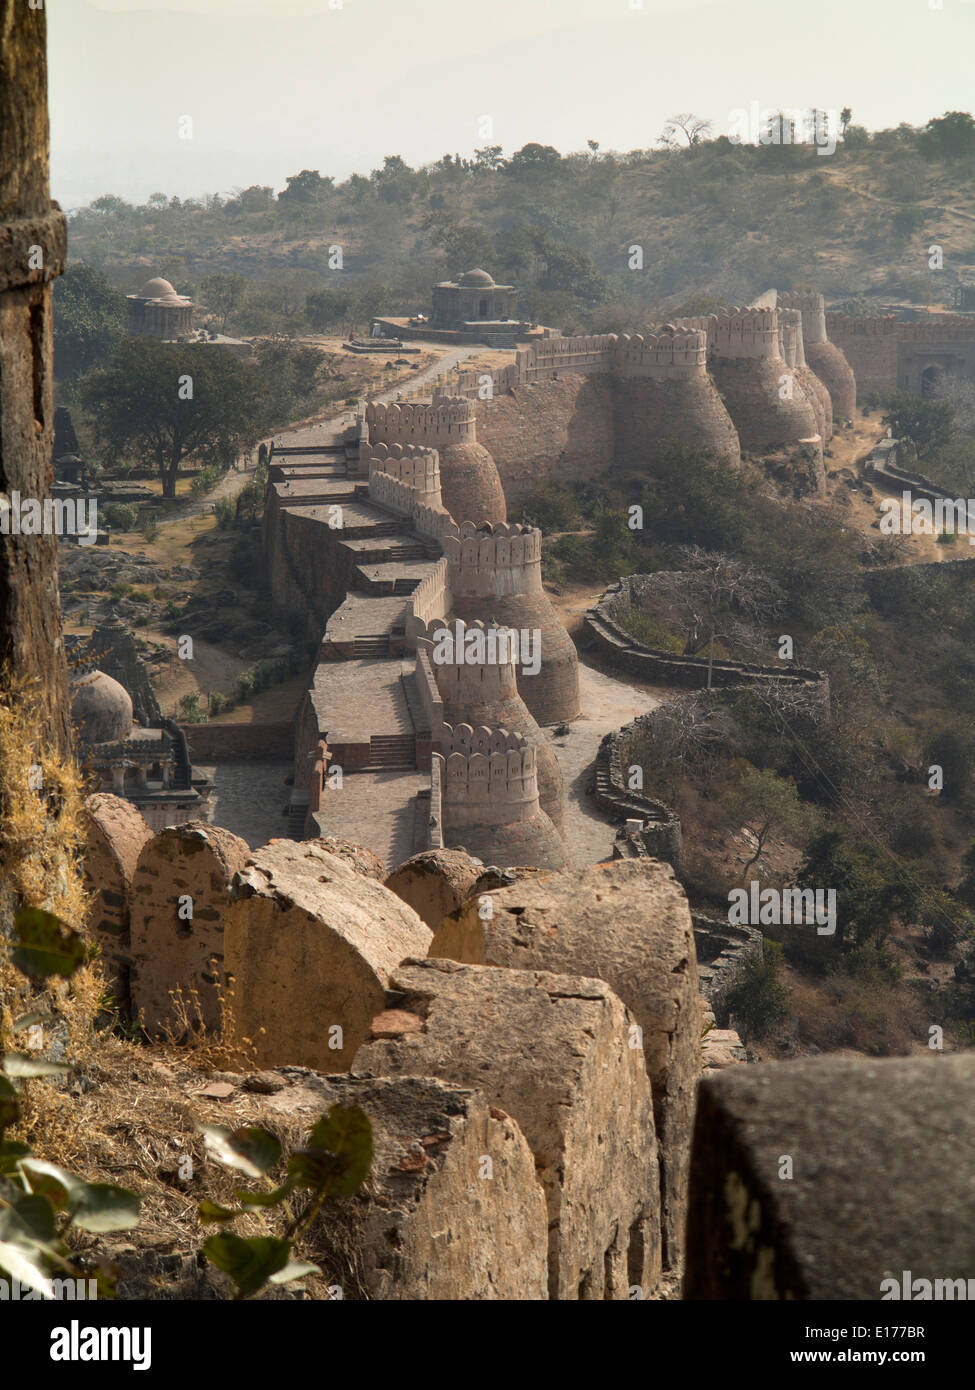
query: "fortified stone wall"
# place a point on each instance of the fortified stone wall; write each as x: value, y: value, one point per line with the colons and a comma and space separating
x: 870, y: 345
x: 824, y: 357
x: 497, y: 578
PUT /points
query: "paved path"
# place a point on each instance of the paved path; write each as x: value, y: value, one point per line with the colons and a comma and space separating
x: 324, y: 431
x: 607, y: 704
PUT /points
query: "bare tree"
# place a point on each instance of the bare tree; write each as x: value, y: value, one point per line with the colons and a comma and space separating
x: 684, y: 129
x: 716, y: 598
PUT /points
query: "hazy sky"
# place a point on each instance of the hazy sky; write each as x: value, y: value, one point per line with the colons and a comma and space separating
x: 275, y: 86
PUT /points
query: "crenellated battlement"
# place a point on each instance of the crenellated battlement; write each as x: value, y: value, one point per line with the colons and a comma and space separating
x: 668, y: 354
x: 445, y: 421
x: 503, y: 562
x: 946, y: 327
x: 488, y: 777
x: 414, y: 464
x: 741, y: 332
x: 790, y: 337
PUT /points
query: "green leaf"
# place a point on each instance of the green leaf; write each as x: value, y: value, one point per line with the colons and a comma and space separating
x: 9, y: 1107
x: 25, y: 1264
x: 102, y: 1206
x: 263, y: 1199
x: 22, y: 1064
x: 252, y: 1151
x: 338, y: 1155
x: 209, y: 1211
x: 11, y: 1152
x: 47, y: 947
x: 49, y: 1179
x: 36, y: 1211
x: 251, y: 1262
x: 294, y: 1269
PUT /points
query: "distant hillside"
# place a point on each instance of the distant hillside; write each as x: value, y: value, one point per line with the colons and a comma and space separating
x: 715, y: 221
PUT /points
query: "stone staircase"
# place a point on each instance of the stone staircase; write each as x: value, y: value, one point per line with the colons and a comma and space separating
x: 392, y: 751
x: 374, y: 647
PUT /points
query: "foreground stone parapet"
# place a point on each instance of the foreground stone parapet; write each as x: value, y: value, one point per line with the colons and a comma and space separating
x: 627, y: 923
x: 115, y: 835
x: 452, y: 1208
x: 310, y: 947
x: 180, y: 892
x: 882, y: 1158
x: 436, y: 882
x: 562, y: 1056
x: 358, y: 857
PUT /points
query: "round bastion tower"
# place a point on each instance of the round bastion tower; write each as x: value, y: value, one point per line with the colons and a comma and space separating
x: 489, y: 796
x: 495, y: 576
x: 767, y: 404
x: 485, y: 693
x: 825, y: 358
x: 469, y: 480
x: 793, y: 350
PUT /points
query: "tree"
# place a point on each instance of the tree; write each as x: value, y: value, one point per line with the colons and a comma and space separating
x: 954, y: 753
x: 927, y: 423
x: 716, y: 598
x: 88, y: 320
x: 534, y: 159
x: 308, y: 188
x: 951, y: 136
x: 906, y: 222
x: 768, y: 805
x: 870, y: 890
x: 758, y: 999
x: 488, y: 159
x: 256, y: 198
x: 683, y: 130
x: 846, y: 116
x: 172, y: 402
x: 325, y: 308
x: 224, y: 294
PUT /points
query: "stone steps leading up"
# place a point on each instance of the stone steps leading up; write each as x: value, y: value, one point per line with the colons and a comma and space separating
x: 375, y: 646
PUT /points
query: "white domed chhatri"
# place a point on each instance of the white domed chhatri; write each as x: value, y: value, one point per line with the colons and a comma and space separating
x: 158, y: 288
x: 158, y: 311
x: 473, y: 298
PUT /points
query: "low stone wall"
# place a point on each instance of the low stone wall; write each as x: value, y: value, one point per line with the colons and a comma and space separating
x: 214, y: 743
x: 668, y: 668
x: 724, y: 952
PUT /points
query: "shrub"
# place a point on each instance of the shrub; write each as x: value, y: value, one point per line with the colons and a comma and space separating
x: 224, y: 511
x: 121, y: 516
x: 216, y: 702
x: 758, y: 1001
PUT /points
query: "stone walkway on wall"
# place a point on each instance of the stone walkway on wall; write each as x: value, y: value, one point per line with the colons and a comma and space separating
x: 249, y: 798
x: 377, y: 810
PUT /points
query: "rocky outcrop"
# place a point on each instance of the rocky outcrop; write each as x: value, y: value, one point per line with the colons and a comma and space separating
x: 561, y: 1055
